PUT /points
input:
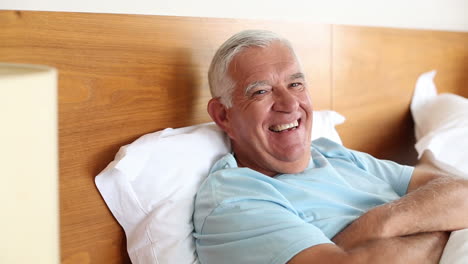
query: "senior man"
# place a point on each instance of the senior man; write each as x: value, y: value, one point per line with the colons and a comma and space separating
x: 279, y: 198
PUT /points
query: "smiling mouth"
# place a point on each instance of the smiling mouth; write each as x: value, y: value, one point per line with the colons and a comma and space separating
x: 285, y: 127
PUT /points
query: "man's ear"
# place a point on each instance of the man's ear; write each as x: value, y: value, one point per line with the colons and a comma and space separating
x: 218, y: 113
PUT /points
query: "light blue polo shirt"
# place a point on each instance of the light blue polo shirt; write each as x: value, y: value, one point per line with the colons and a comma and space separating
x: 243, y: 216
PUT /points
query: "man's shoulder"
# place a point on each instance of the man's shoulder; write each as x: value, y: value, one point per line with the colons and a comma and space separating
x: 227, y: 184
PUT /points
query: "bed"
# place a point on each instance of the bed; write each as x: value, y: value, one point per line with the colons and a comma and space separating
x: 122, y: 76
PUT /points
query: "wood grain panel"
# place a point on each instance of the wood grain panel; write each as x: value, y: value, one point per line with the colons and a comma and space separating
x: 121, y: 76
x: 374, y: 73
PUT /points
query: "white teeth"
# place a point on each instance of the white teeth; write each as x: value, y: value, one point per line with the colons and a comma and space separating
x: 279, y: 128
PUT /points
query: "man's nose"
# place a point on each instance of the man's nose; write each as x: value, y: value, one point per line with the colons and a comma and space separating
x: 284, y: 101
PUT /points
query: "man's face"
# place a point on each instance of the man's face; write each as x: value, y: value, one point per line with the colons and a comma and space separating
x: 271, y: 118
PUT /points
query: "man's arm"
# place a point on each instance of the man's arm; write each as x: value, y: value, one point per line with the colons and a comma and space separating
x: 420, y: 248
x: 435, y: 202
x: 400, y: 232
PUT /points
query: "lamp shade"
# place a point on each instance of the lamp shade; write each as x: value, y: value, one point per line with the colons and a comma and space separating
x: 29, y: 164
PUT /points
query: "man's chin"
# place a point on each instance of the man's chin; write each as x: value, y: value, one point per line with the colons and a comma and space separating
x: 292, y: 153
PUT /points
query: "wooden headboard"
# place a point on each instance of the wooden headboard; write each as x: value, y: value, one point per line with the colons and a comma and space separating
x: 121, y: 76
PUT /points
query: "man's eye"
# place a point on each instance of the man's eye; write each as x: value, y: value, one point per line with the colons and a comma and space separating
x: 259, y: 92
x: 295, y: 85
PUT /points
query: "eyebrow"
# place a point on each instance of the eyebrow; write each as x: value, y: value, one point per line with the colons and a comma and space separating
x: 254, y: 85
x: 295, y: 76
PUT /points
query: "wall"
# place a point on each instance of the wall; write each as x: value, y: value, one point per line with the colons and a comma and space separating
x: 420, y: 14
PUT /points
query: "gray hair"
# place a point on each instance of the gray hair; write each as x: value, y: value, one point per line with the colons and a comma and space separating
x: 221, y: 84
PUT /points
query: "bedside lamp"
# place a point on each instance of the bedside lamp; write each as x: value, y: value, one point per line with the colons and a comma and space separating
x: 29, y: 164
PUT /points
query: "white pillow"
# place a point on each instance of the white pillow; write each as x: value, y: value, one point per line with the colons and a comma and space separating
x: 455, y: 251
x: 441, y: 128
x: 323, y: 125
x: 151, y: 185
